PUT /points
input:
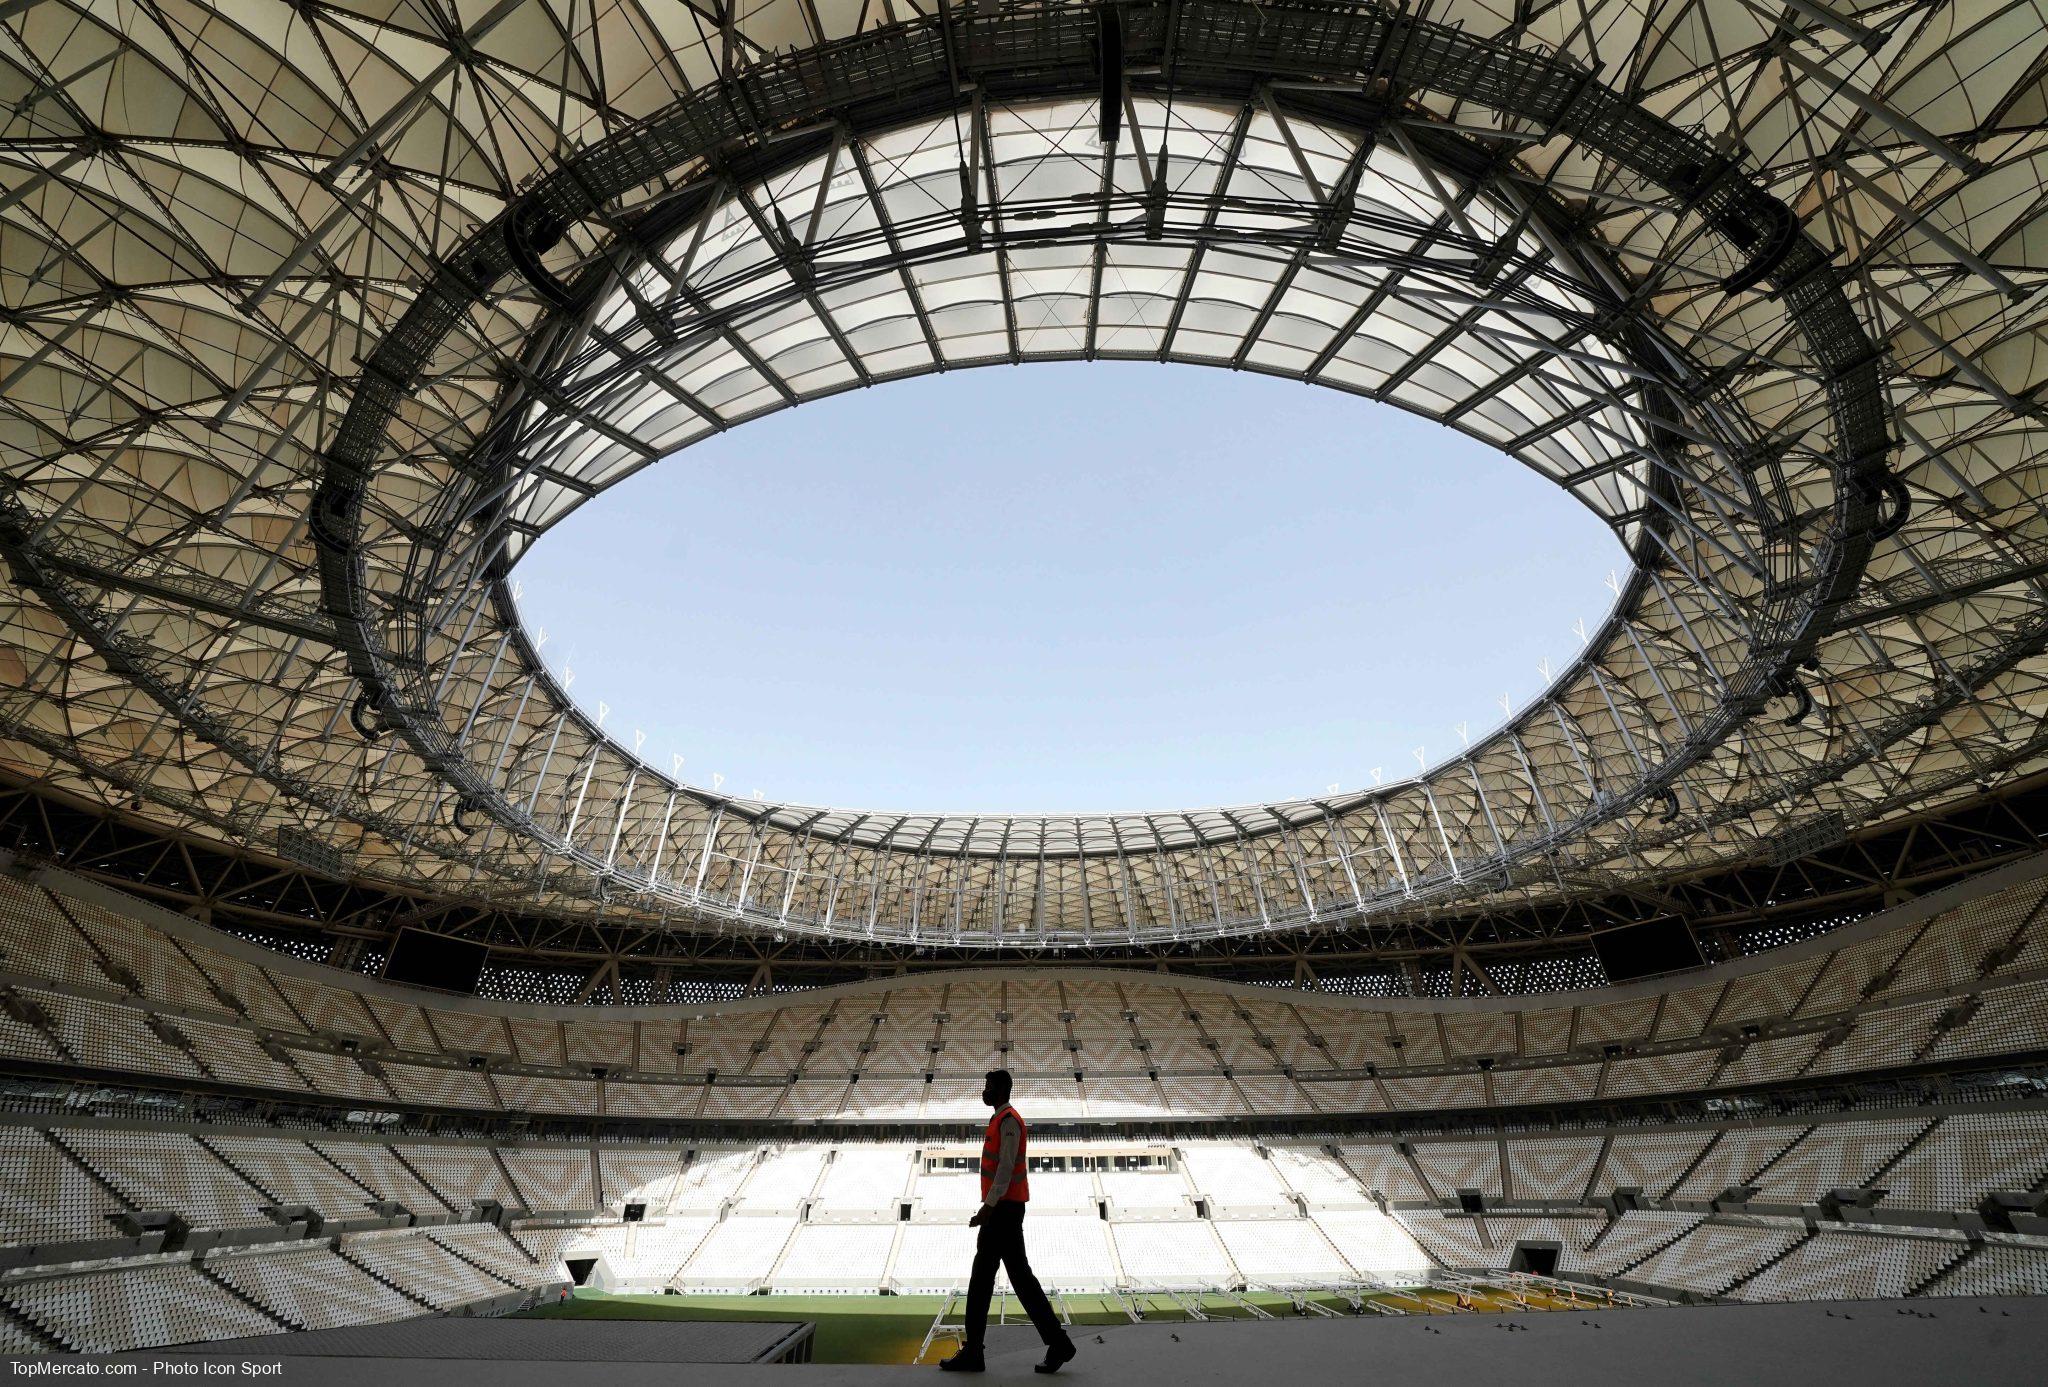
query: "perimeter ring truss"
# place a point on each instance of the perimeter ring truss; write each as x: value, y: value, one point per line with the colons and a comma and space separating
x: 1747, y: 539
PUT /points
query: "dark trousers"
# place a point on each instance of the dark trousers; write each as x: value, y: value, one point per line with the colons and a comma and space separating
x: 1002, y: 1240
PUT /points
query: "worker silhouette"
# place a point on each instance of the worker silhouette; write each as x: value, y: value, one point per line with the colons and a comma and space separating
x: 1005, y: 1189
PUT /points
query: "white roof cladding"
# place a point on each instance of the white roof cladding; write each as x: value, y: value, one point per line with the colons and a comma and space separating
x: 211, y: 216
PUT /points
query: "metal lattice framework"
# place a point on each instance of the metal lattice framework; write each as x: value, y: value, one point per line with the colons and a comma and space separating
x: 317, y: 317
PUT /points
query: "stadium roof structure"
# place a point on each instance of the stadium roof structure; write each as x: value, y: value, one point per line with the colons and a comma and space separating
x: 317, y: 314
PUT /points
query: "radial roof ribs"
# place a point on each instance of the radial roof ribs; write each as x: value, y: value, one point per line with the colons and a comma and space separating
x: 317, y: 318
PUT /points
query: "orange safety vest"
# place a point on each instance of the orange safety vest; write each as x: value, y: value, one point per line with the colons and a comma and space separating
x: 992, y: 1155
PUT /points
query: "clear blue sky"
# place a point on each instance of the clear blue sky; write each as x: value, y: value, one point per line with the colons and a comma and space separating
x: 1067, y: 587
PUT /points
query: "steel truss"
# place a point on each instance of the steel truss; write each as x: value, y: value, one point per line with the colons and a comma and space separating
x: 1727, y: 488
x: 542, y: 957
x: 272, y: 598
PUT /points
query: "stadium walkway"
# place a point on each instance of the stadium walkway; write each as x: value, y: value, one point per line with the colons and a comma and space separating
x: 1984, y: 1343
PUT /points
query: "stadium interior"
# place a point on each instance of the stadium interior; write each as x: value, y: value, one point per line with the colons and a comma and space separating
x: 358, y: 987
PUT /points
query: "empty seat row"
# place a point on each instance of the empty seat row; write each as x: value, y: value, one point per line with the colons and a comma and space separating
x: 135, y: 1307
x: 217, y: 997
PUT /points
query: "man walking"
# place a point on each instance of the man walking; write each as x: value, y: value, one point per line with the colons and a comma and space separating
x: 1005, y: 1189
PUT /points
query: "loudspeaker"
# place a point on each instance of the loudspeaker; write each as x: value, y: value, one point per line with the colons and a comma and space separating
x: 635, y: 1212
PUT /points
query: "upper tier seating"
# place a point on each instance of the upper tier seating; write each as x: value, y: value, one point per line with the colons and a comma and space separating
x: 864, y: 1179
x: 784, y: 1177
x: 1236, y: 1178
x: 788, y: 1211
x: 137, y: 991
x: 638, y: 1175
x: 551, y: 1178
x: 710, y: 1178
x: 384, y: 1171
x: 169, y: 1171
x: 291, y: 1172
x: 44, y: 1195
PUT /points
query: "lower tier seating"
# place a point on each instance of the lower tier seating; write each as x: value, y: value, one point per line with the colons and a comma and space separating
x: 136, y: 1307
x: 312, y: 1288
x: 422, y: 1268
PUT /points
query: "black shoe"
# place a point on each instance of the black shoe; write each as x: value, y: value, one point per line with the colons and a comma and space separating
x: 967, y: 1360
x: 1057, y: 1356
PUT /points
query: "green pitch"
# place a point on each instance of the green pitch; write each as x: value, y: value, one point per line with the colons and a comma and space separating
x: 850, y: 1329
x: 866, y: 1328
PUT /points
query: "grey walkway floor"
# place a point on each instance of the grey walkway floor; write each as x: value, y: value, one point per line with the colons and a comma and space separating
x: 1963, y: 1343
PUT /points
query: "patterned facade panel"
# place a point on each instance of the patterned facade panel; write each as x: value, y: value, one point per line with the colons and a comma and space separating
x: 1881, y: 1038
x: 1551, y: 1169
x: 163, y: 971
x: 37, y: 942
x: 609, y: 1043
x: 338, y: 1076
x: 1461, y: 1165
x: 1734, y: 1159
x: 1999, y: 1270
x: 639, y: 1100
x: 726, y: 1103
x: 1273, y: 1093
x: 1686, y: 1010
x: 466, y: 1032
x: 440, y: 1088
x: 1617, y: 1022
x: 1354, y: 1046
x: 1768, y: 995
x: 402, y: 1023
x: 1631, y: 1238
x: 1414, y: 1040
x: 1858, y: 1265
x: 532, y: 1093
x: 1474, y: 1033
x: 725, y: 1048
x: 1457, y: 1242
x: 1546, y: 1032
x: 1835, y: 1155
x: 1436, y: 1091
x: 552, y: 1179
x: 538, y: 1042
x: 249, y: 985
x: 2007, y: 1019
x: 1570, y: 1234
x: 1564, y: 1083
x: 460, y: 1174
x: 1652, y: 1162
x: 1190, y: 1095
x: 1688, y: 1069
x: 1384, y: 1170
x: 1769, y: 1061
x: 1968, y: 1157
x: 1849, y: 971
x: 1713, y: 1257
x: 1345, y: 1095
x: 327, y: 1009
x: 1950, y: 953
